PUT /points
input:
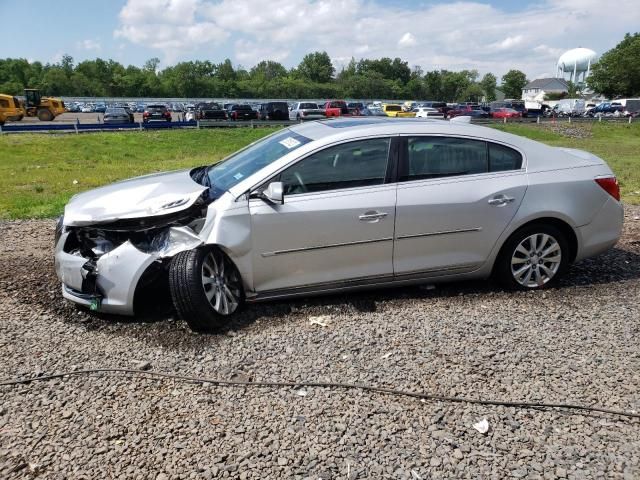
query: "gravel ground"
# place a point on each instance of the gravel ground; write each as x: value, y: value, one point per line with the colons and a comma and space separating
x: 577, y: 343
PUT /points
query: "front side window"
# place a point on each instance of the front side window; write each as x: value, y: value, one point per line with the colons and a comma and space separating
x: 348, y: 165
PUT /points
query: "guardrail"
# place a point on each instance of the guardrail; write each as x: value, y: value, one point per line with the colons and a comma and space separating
x: 78, y: 127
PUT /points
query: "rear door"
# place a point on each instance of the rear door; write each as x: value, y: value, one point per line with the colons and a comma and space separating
x: 455, y: 197
x: 336, y: 223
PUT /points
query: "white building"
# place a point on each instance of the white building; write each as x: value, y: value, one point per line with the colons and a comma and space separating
x: 536, y: 90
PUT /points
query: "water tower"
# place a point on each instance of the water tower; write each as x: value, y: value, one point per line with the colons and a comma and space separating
x: 576, y: 62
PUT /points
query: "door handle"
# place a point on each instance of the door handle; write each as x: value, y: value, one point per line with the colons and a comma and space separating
x: 500, y: 200
x: 372, y: 216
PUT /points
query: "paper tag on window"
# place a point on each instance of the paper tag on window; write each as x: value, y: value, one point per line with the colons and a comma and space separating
x: 238, y: 176
x: 289, y: 142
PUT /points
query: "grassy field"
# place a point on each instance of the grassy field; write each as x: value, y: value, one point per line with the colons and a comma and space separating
x: 39, y: 173
x: 617, y: 143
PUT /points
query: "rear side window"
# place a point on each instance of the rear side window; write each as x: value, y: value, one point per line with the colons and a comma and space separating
x: 434, y: 157
x: 4, y: 103
x: 348, y: 165
x: 503, y: 158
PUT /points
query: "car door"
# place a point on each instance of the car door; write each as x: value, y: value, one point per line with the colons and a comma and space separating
x: 336, y: 223
x: 455, y: 197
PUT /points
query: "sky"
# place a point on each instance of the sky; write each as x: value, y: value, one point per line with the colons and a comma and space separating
x: 486, y: 35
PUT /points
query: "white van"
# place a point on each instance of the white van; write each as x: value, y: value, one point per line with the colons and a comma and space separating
x: 630, y: 105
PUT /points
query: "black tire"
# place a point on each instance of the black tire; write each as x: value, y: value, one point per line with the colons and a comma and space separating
x: 188, y: 291
x: 503, y: 266
x: 45, y: 115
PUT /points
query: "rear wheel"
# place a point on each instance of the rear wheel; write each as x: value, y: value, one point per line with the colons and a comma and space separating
x: 45, y: 115
x: 205, y: 287
x: 533, y: 257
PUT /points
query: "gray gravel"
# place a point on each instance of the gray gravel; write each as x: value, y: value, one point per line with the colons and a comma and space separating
x: 577, y: 343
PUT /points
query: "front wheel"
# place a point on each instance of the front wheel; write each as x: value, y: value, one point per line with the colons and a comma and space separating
x: 45, y: 115
x: 533, y: 257
x: 205, y: 287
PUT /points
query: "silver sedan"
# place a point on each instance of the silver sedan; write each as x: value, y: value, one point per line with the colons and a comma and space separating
x: 333, y: 206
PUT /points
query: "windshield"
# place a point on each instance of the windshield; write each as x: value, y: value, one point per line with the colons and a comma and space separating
x: 245, y: 163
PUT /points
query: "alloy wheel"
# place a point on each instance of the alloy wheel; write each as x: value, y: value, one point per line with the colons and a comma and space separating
x: 221, y: 283
x: 536, y: 260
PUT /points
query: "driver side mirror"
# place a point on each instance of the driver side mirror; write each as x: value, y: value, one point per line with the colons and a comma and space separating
x: 274, y: 193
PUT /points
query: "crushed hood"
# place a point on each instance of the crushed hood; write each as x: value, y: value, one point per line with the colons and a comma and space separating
x: 146, y: 196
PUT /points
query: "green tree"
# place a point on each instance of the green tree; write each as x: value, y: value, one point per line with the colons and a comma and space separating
x: 512, y: 83
x: 268, y: 70
x: 617, y: 73
x: 488, y: 85
x: 316, y: 67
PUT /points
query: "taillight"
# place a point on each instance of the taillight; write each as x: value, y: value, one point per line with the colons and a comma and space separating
x: 610, y: 185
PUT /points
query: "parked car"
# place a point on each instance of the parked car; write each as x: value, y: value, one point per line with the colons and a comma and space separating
x: 331, y: 206
x: 273, y: 111
x: 87, y: 108
x: 140, y: 107
x: 355, y: 108
x: 117, y: 115
x: 72, y: 107
x: 515, y: 104
x: 372, y: 112
x: 428, y: 112
x: 156, y: 112
x: 395, y: 110
x: 190, y: 115
x: 210, y: 111
x: 100, y: 108
x: 473, y: 111
x: 504, y: 113
x: 336, y: 108
x: 242, y: 112
x: 306, y: 111
x: 605, y: 109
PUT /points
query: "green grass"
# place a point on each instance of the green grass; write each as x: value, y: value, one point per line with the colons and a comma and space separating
x: 39, y: 173
x: 617, y: 143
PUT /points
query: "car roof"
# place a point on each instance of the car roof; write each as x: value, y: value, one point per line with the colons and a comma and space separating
x: 345, y: 128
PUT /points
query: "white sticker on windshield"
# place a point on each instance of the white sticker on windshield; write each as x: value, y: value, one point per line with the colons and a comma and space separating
x: 238, y: 176
x: 290, y: 142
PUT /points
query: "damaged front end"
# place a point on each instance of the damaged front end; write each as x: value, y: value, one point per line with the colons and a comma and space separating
x: 102, y: 264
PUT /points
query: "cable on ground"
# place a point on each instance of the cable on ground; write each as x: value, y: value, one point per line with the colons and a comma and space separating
x: 309, y: 384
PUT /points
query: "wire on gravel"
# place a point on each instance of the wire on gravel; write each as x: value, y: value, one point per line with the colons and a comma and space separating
x: 346, y: 386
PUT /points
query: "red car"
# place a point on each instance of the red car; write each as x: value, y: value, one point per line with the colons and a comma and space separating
x: 505, y: 113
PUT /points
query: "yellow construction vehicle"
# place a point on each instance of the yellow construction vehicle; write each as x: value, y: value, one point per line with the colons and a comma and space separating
x: 45, y: 108
x: 10, y: 109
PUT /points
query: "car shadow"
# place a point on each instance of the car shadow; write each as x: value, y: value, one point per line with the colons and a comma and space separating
x: 615, y: 265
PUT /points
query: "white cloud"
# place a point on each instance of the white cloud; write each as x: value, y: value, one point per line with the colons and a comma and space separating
x: 460, y: 34
x: 88, y: 45
x: 407, y: 40
x: 508, y: 43
x: 250, y: 53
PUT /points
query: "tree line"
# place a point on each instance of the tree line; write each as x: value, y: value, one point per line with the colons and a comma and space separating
x: 616, y: 74
x: 314, y: 77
